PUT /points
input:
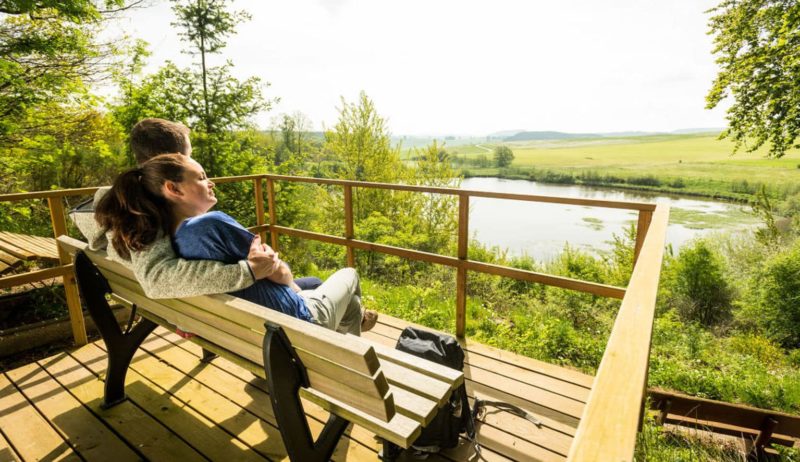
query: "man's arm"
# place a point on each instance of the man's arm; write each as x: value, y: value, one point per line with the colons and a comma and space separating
x: 283, y: 275
x: 163, y: 274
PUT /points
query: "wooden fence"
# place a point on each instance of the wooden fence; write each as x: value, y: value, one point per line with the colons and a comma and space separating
x: 607, y: 430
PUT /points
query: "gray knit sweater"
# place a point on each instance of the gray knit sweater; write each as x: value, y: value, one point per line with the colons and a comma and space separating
x: 161, y: 273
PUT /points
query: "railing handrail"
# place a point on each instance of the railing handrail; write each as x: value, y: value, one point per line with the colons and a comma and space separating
x: 607, y: 429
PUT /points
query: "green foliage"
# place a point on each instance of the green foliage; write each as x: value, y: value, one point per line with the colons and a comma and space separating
x: 206, y: 23
x: 361, y: 145
x: 656, y: 443
x: 503, y: 156
x: 744, y: 368
x: 48, y: 53
x: 701, y: 292
x: 775, y: 297
x: 756, y: 43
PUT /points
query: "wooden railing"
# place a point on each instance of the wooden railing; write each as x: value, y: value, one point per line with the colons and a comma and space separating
x: 607, y: 430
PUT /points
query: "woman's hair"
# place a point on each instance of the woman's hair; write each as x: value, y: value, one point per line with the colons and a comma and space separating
x: 135, y: 210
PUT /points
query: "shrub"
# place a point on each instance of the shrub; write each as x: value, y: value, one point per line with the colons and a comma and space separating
x: 701, y: 292
x: 648, y: 180
x: 777, y: 297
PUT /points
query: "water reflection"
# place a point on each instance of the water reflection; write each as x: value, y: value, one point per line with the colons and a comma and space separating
x: 541, y: 230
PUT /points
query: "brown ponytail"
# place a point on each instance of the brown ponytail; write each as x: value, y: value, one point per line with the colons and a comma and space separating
x: 135, y: 210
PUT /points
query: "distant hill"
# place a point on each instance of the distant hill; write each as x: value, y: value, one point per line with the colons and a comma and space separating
x: 528, y: 136
x: 687, y: 131
x: 505, y: 133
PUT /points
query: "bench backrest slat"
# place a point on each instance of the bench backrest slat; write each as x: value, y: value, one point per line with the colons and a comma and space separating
x: 436, y: 371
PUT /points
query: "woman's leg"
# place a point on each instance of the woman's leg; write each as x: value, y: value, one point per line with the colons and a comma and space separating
x: 336, y: 304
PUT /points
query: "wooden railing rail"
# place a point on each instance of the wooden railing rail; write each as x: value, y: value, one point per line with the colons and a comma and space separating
x: 607, y: 429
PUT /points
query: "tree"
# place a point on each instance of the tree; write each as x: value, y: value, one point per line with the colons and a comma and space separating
x: 503, y: 156
x: 225, y: 103
x: 757, y: 43
x: 48, y: 53
x: 294, y: 130
x: 437, y: 215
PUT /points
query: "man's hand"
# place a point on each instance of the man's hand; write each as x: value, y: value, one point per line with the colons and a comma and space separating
x: 262, y: 259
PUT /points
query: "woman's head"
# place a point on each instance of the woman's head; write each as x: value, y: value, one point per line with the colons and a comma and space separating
x: 152, y: 199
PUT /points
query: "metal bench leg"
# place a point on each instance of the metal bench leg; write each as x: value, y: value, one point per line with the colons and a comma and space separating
x: 285, y: 375
x: 120, y: 345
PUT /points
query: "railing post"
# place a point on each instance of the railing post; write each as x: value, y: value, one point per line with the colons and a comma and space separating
x: 461, y: 272
x: 273, y: 217
x: 645, y: 216
x: 348, y: 223
x: 59, y: 222
x: 258, y: 191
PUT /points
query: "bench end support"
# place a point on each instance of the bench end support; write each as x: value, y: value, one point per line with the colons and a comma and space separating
x: 285, y: 375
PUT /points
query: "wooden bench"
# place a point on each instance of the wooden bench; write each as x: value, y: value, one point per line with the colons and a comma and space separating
x: 390, y: 393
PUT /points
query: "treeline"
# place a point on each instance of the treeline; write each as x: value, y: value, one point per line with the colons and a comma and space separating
x: 57, y: 132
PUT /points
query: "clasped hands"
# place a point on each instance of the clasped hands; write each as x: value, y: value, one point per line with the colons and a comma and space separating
x: 263, y: 260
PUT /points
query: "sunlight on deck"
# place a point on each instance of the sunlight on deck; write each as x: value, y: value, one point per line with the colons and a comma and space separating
x: 181, y: 409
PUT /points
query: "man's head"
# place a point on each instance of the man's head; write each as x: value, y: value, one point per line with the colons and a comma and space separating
x: 152, y: 137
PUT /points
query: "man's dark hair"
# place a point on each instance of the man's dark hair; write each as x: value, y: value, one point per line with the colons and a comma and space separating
x: 152, y: 137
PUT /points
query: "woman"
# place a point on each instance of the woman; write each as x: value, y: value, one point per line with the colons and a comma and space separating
x: 171, y: 194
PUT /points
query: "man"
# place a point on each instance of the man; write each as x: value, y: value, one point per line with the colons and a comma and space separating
x: 161, y: 273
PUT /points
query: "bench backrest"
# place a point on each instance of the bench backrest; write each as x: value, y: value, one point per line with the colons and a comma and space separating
x: 388, y: 392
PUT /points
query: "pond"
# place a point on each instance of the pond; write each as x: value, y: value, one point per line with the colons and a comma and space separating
x: 542, y: 230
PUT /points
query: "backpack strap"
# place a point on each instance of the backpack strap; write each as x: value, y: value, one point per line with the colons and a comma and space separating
x: 480, y: 404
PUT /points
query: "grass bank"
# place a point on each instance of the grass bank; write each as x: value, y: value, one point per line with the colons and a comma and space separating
x: 697, y: 165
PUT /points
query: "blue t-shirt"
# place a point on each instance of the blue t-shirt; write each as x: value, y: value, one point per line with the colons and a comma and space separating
x: 217, y: 236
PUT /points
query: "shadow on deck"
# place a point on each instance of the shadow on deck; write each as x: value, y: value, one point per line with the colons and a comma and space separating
x: 180, y: 409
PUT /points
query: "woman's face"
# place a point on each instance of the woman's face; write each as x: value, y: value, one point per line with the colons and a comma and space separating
x: 197, y: 190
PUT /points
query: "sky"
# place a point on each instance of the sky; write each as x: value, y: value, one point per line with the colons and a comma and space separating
x: 463, y: 67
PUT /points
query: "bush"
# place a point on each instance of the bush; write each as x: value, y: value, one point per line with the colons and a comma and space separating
x: 648, y: 180
x: 701, y: 292
x: 777, y: 297
x: 503, y: 156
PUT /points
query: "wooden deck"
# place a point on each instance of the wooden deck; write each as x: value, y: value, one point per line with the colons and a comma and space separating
x: 180, y: 409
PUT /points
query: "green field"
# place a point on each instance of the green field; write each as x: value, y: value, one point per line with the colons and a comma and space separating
x: 699, y: 164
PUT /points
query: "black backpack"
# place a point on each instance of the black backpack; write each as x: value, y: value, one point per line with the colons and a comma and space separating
x: 455, y: 417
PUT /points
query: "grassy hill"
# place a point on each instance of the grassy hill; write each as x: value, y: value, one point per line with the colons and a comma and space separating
x: 695, y: 163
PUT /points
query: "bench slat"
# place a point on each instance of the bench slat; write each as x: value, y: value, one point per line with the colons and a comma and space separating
x: 401, y: 430
x: 437, y: 371
x: 418, y: 383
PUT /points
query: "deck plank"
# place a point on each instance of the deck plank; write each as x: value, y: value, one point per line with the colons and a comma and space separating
x: 129, y: 421
x: 37, y: 246
x: 85, y: 433
x: 167, y: 395
x: 7, y: 453
x: 31, y: 435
